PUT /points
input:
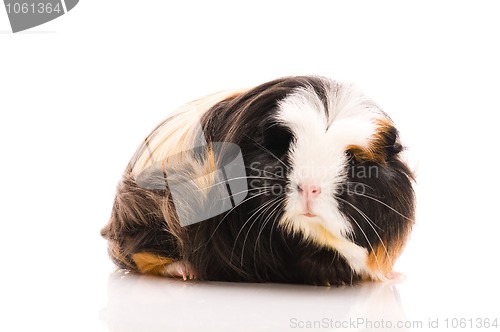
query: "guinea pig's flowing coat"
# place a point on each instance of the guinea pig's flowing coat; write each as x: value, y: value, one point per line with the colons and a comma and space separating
x: 327, y: 198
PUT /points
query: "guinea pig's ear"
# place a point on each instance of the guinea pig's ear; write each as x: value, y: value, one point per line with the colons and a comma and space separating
x: 383, y: 146
x: 390, y: 144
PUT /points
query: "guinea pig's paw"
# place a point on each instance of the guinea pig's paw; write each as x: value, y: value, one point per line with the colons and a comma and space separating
x: 357, y: 258
x: 180, y: 269
x: 391, y: 276
x: 376, y: 275
x: 395, y: 276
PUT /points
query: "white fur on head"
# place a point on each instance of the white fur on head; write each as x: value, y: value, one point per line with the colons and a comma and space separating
x: 318, y: 156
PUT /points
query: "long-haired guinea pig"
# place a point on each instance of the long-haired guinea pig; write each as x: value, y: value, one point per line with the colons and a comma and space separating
x: 297, y: 180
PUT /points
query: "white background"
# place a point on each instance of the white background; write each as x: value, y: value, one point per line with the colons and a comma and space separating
x: 78, y: 94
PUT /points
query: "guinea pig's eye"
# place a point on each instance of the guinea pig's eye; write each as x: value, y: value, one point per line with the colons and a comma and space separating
x: 277, y: 139
x: 349, y: 155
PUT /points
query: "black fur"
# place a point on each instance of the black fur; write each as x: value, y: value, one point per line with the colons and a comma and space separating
x: 244, y: 244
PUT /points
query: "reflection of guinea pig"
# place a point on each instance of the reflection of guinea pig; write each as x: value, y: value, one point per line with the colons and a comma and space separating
x: 328, y: 199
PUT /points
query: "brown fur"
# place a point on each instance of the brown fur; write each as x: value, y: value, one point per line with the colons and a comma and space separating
x: 151, y: 263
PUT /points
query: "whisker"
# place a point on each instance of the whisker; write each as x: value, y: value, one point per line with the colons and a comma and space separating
x: 386, y: 205
x: 267, y: 150
x: 245, y: 223
x: 227, y: 214
x: 236, y: 178
x: 371, y: 223
x: 364, y: 215
x: 259, y: 189
x: 269, y: 206
x: 273, y: 226
x: 360, y: 183
x: 277, y: 209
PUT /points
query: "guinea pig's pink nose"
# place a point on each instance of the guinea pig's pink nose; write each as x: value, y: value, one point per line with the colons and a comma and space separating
x: 310, y: 190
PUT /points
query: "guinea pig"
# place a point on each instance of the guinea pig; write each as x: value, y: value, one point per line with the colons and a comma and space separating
x: 297, y: 180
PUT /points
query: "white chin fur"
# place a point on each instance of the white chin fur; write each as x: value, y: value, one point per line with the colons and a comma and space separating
x: 313, y: 230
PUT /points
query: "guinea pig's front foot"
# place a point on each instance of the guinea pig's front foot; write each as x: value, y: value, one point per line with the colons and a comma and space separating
x: 180, y: 269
